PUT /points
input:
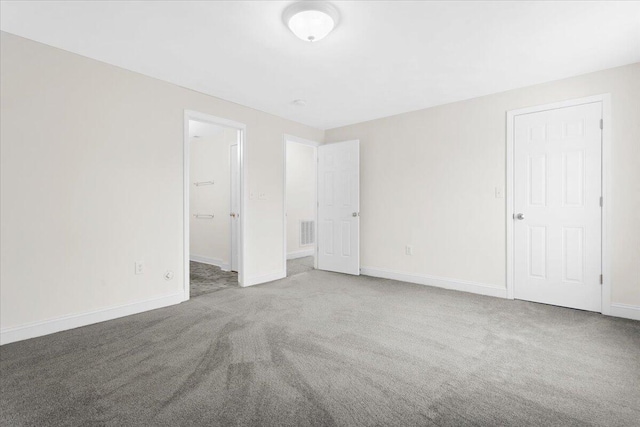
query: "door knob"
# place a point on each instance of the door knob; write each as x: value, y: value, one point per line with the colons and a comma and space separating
x: 519, y: 216
x: 355, y: 214
x: 232, y: 215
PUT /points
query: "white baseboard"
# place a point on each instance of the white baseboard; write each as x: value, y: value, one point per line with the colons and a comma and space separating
x: 37, y: 329
x: 301, y: 254
x: 439, y: 282
x: 256, y: 280
x: 625, y: 310
x: 211, y: 261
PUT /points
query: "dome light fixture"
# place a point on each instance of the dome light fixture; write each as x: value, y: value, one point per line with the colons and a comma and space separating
x: 311, y: 20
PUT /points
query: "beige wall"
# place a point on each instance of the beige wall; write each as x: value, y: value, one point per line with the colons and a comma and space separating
x: 92, y: 181
x: 428, y: 180
x: 210, y: 239
x: 301, y: 193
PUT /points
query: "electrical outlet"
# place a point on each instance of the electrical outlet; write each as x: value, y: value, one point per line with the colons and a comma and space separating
x: 408, y: 250
x: 262, y: 196
x: 499, y: 193
x: 139, y: 268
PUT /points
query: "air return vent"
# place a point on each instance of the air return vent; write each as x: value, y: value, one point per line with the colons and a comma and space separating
x: 307, y: 233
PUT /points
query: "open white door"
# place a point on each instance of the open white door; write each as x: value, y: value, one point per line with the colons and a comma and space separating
x: 235, y: 204
x: 339, y: 207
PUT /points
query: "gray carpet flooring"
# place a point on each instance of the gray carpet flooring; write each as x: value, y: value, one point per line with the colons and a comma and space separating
x: 205, y: 278
x: 299, y: 266
x: 325, y: 349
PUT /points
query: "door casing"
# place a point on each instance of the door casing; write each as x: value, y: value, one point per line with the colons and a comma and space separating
x: 605, y: 100
x: 234, y: 207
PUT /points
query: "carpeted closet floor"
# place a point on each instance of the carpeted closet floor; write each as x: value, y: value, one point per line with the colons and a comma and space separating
x: 207, y: 278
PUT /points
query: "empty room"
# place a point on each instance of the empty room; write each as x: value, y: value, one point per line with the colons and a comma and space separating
x: 320, y: 213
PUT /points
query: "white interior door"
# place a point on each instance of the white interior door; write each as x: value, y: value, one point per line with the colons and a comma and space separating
x: 339, y: 207
x: 557, y: 220
x: 235, y: 204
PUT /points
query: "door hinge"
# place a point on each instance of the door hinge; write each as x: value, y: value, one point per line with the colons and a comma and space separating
x: 601, y: 202
x: 601, y: 124
x: 601, y: 279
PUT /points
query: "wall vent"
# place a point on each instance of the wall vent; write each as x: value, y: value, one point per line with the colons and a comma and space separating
x: 307, y: 233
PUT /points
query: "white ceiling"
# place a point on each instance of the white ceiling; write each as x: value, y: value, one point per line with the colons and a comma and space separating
x: 384, y: 58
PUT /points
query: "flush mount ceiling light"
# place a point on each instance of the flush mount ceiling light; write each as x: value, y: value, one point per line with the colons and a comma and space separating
x: 311, y: 20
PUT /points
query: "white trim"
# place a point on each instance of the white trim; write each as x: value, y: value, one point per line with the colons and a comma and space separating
x: 242, y: 155
x: 257, y: 280
x: 605, y: 100
x: 302, y: 141
x: 509, y: 198
x: 301, y: 254
x: 438, y: 282
x: 231, y: 254
x: 37, y: 329
x: 607, y: 191
x: 625, y: 310
x: 286, y: 138
x: 210, y: 261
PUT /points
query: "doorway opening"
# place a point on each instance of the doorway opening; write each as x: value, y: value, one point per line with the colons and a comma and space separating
x: 321, y: 206
x: 300, y: 205
x: 213, y: 214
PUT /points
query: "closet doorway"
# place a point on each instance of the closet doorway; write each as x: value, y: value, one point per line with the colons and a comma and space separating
x: 213, y: 214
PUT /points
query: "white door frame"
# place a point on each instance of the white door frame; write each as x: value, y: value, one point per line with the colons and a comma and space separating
x: 290, y: 138
x: 232, y: 255
x: 242, y: 133
x: 605, y: 100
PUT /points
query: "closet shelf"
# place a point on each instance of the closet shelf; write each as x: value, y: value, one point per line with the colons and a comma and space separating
x: 207, y: 216
x: 201, y: 183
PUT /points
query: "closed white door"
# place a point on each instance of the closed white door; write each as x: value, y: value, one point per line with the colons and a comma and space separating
x: 235, y: 204
x: 557, y: 204
x: 339, y: 207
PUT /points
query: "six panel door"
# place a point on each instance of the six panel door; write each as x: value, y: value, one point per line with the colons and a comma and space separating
x: 557, y: 193
x: 339, y: 207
